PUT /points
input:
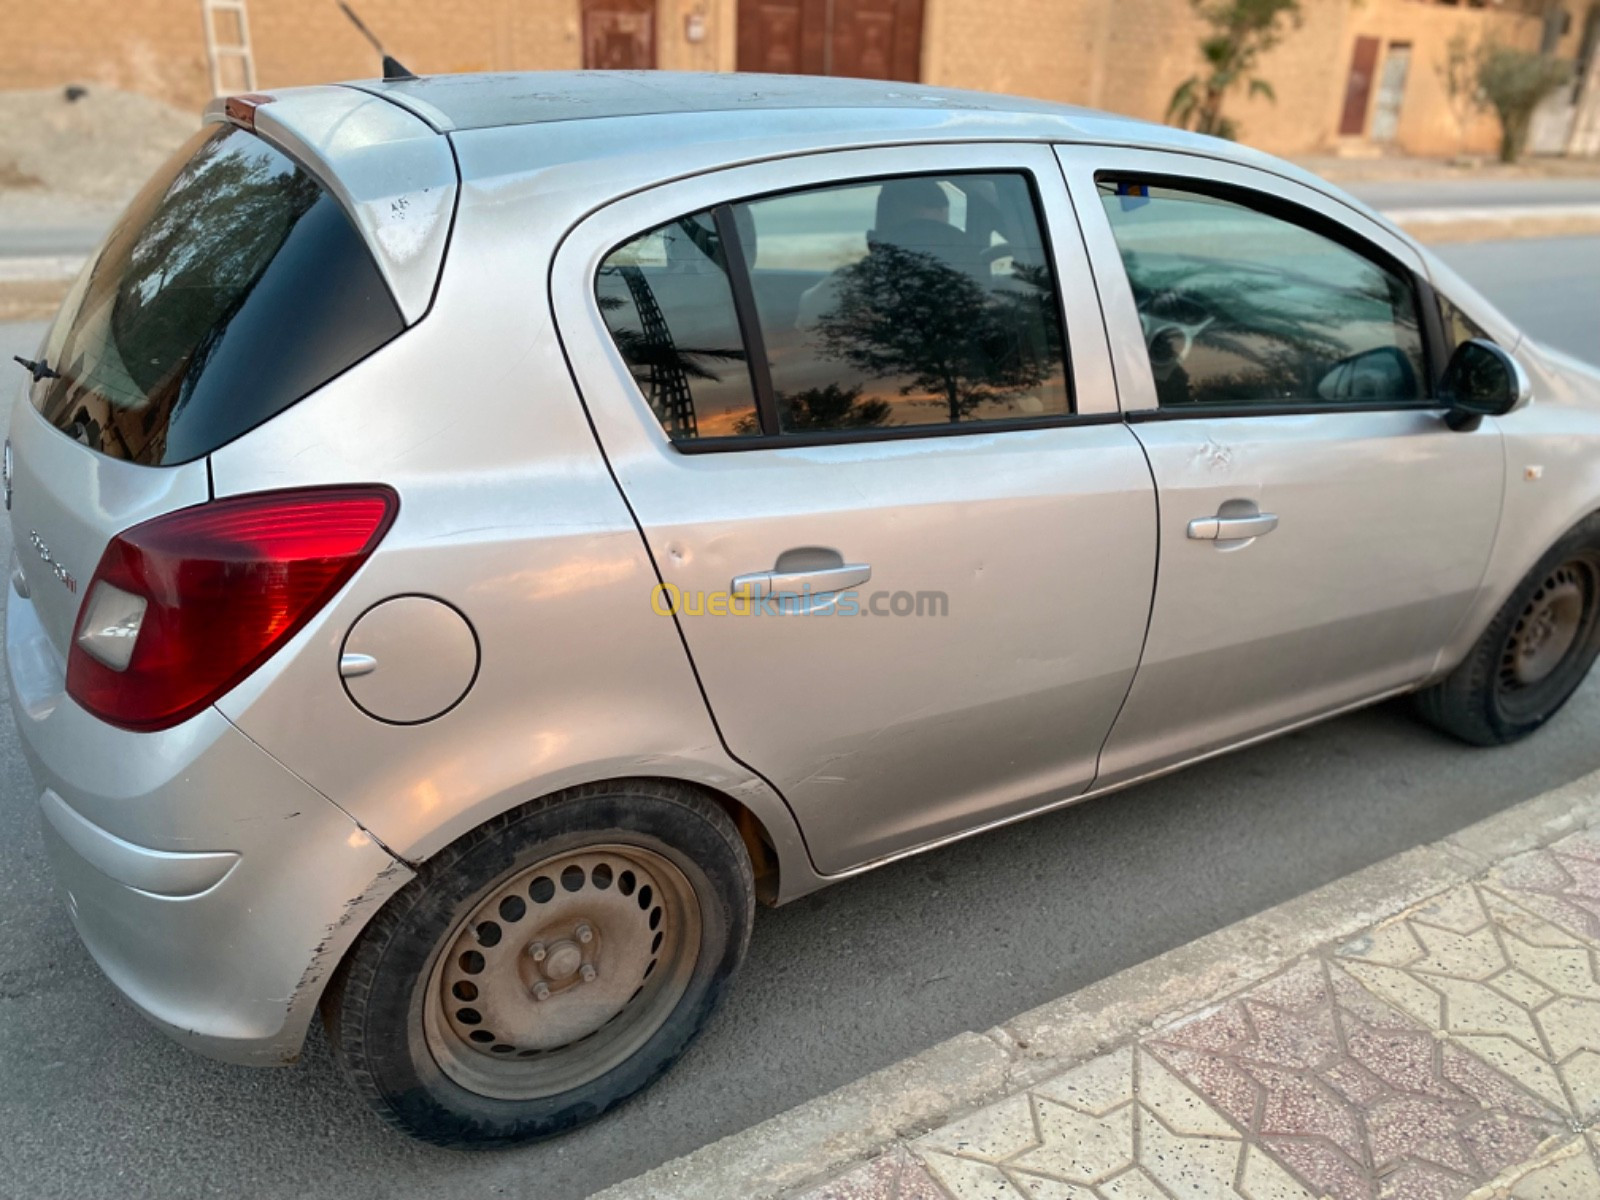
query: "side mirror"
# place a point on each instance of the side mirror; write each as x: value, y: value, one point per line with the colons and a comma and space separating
x: 1482, y: 380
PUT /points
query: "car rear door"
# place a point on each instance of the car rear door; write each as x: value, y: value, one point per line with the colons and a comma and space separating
x: 840, y: 378
x: 1323, y: 530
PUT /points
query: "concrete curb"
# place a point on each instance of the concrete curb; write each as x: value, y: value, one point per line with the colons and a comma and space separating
x: 822, y: 1137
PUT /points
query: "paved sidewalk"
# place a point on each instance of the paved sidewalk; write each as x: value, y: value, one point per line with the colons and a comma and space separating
x: 1400, y: 168
x: 1505, y: 222
x: 1427, y: 1029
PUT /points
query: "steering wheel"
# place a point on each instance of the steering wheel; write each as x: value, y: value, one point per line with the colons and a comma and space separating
x: 1173, y: 321
x: 990, y: 255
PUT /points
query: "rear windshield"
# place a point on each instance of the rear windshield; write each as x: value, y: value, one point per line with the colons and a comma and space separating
x: 233, y: 286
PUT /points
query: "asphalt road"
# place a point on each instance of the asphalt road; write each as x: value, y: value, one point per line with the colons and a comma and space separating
x: 1476, y: 193
x: 94, y: 1103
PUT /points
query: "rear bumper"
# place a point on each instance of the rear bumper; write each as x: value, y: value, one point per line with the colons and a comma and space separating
x: 213, y: 887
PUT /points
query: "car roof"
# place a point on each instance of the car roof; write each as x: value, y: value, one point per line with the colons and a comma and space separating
x: 704, y: 108
x: 481, y: 101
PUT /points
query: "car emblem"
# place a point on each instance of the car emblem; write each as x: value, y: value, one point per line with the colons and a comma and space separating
x: 56, y: 569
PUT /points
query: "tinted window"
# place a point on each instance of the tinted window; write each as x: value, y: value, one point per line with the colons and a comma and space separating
x: 666, y: 299
x: 233, y: 286
x: 1238, y: 307
x: 913, y: 301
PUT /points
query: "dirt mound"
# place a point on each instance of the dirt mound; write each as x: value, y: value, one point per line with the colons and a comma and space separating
x: 98, y: 149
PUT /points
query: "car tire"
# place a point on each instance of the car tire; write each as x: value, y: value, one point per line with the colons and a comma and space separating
x: 1535, y: 653
x: 487, y: 1003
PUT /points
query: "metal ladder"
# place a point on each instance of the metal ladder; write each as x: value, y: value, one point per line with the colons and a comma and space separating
x: 219, y: 54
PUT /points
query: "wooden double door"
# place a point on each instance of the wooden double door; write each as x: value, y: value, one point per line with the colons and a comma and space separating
x: 866, y: 39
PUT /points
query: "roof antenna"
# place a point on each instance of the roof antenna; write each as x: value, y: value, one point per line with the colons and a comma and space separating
x: 393, y: 68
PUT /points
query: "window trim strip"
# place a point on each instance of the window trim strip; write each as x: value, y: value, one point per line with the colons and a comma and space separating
x: 892, y: 433
x: 1200, y: 412
x: 1435, y: 344
x: 749, y: 318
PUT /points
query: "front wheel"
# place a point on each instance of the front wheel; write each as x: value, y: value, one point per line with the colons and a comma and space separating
x: 546, y: 966
x: 1535, y: 653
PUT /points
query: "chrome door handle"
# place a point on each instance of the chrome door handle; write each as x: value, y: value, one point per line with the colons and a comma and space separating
x: 1232, y: 529
x: 817, y: 582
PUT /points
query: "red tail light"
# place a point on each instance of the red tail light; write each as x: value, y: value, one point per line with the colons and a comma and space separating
x: 184, y: 607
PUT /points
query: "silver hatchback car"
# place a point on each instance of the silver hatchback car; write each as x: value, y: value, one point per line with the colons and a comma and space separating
x: 479, y: 535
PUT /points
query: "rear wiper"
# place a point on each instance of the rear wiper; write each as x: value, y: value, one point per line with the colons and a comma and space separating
x: 39, y: 370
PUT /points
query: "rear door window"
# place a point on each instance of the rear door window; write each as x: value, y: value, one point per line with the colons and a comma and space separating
x: 233, y: 286
x: 921, y: 300
x: 915, y: 301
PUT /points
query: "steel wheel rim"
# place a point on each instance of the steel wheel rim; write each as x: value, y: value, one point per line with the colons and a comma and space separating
x: 562, y: 971
x: 1551, y: 636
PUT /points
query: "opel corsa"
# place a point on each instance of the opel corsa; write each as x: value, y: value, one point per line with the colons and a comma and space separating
x: 476, y: 536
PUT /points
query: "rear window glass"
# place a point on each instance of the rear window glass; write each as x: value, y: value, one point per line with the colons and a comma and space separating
x: 233, y: 286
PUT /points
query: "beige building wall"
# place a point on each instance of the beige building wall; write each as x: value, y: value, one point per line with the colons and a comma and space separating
x: 1125, y: 56
x: 1428, y: 124
x: 151, y: 46
x: 311, y: 41
x: 718, y: 23
x: 158, y: 46
x: 1128, y: 56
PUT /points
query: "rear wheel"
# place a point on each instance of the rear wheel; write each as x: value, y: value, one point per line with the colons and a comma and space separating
x: 546, y: 966
x: 1535, y: 653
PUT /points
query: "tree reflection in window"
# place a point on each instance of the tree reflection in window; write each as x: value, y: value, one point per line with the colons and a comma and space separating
x: 925, y: 299
x: 231, y: 226
x: 905, y: 315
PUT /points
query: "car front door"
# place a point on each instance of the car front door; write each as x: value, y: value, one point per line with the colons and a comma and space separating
x: 1323, y: 530
x: 870, y: 386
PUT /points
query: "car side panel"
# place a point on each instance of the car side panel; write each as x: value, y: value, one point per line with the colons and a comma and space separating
x: 887, y: 734
x: 1552, y: 481
x: 1386, y: 523
x: 509, y: 514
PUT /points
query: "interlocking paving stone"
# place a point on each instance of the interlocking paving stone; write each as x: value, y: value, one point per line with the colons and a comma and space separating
x: 1358, y: 1099
x: 1497, y: 980
x: 1121, y: 1127
x: 895, y: 1175
x: 1560, y: 882
x: 1565, y: 1173
x: 1449, y: 1053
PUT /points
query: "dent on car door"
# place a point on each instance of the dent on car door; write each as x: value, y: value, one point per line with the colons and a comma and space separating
x: 1323, y: 530
x: 845, y: 379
